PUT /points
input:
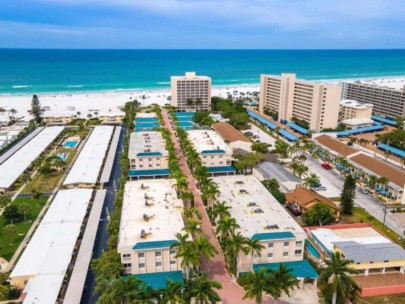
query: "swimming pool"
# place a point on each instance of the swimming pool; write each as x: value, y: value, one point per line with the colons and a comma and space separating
x: 312, y: 250
x: 63, y: 156
x: 70, y: 144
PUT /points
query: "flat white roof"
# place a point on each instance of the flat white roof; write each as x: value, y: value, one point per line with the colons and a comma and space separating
x: 260, y: 199
x: 357, y: 121
x: 363, y: 235
x: 164, y: 208
x: 191, y: 76
x: 146, y: 142
x: 49, y: 252
x: 207, y: 140
x: 13, y: 167
x: 349, y: 103
x: 35, y: 289
x: 87, y: 167
x: 397, y: 83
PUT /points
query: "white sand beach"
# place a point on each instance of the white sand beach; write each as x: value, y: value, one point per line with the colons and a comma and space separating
x: 102, y: 102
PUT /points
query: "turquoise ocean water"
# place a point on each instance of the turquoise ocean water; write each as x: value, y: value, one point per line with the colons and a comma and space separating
x: 46, y: 71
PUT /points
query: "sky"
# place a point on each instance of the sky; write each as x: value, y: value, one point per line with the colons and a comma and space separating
x: 202, y: 24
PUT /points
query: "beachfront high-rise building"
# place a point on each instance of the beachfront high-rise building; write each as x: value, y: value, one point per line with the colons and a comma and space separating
x: 315, y: 103
x: 191, y: 92
x: 150, y: 219
x: 386, y: 95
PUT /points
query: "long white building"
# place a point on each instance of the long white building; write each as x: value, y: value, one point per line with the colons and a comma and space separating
x: 14, y: 166
x: 150, y: 219
x: 260, y: 216
x: 86, y: 169
x: 43, y: 265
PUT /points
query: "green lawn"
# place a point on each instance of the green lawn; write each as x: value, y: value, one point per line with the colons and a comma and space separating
x: 390, y: 299
x: 361, y: 216
x: 6, y: 248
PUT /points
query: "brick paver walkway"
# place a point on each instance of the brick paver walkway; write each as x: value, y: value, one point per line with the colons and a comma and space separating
x: 216, y: 268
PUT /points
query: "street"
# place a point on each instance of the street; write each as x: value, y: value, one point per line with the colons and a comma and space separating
x: 333, y: 180
x: 100, y: 244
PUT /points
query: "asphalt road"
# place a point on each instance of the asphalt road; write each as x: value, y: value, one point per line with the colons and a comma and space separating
x: 100, y: 244
x: 365, y: 201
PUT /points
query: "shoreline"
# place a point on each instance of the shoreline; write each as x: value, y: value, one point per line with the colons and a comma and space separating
x: 167, y: 88
x: 110, y: 102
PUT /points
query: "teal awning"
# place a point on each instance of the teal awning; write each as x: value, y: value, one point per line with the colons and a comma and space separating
x: 273, y: 236
x: 299, y: 269
x: 155, y: 172
x: 221, y: 169
x: 154, y: 244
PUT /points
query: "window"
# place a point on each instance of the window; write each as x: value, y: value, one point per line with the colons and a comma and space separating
x: 271, y: 245
x: 298, y: 243
x: 386, y: 261
x: 150, y: 166
x: 298, y: 252
x: 371, y: 262
x: 158, y: 253
x: 172, y: 262
x: 140, y: 166
x: 158, y: 264
x: 126, y: 256
x: 285, y: 254
x: 141, y: 265
x: 286, y: 244
x: 270, y: 255
x: 127, y: 265
x: 141, y: 254
x: 172, y: 251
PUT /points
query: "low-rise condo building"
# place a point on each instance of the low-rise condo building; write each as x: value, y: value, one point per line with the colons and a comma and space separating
x: 111, y: 118
x: 301, y: 200
x: 289, y: 98
x: 57, y: 118
x: 354, y: 114
x: 386, y: 95
x: 191, y: 92
x: 150, y: 219
x: 363, y: 166
x: 232, y: 137
x: 261, y: 217
x: 146, y: 122
x: 147, y: 155
x: 215, y: 154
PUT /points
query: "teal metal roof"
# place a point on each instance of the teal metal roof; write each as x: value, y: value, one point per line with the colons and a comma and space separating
x: 153, y: 172
x: 149, y: 154
x: 154, y: 244
x: 299, y: 269
x: 221, y: 169
x: 273, y: 236
x: 212, y: 152
x: 159, y: 280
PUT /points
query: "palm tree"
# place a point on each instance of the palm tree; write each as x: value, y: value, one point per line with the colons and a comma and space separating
x: 219, y: 210
x: 78, y: 114
x: 10, y: 230
x: 96, y: 114
x: 189, y: 102
x: 209, y: 192
x: 12, y: 112
x: 181, y: 184
x: 187, y: 252
x: 198, y: 102
x: 286, y: 281
x: 192, y: 212
x: 187, y: 196
x: 311, y: 181
x: 173, y: 294
x: 24, y: 209
x: 254, y: 247
x: 372, y: 180
x: 337, y: 275
x: 204, y: 247
x: 202, y: 290
x: 36, y: 195
x: 59, y: 163
x: 400, y: 122
x: 192, y: 226
x: 234, y: 245
x: 255, y: 284
x: 226, y: 226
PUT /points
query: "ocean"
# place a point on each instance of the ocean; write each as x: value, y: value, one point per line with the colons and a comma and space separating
x: 54, y: 71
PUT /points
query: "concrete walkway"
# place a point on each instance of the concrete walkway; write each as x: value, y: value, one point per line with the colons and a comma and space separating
x: 216, y: 268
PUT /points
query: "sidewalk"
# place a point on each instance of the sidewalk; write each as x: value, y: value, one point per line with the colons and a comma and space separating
x: 216, y: 268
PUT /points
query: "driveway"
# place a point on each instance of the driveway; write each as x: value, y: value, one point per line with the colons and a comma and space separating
x: 263, y: 136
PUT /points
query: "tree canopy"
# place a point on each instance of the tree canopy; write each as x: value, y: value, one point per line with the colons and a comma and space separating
x: 36, y: 109
x: 348, y: 194
x: 320, y: 214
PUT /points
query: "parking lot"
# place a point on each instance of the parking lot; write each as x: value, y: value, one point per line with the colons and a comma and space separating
x: 262, y: 136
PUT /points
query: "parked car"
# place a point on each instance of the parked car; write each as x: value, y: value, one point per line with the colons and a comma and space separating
x: 364, y: 191
x: 320, y: 188
x: 326, y: 166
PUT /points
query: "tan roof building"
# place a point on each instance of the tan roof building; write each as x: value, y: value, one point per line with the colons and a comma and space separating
x: 302, y: 200
x: 234, y: 138
x: 335, y: 145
